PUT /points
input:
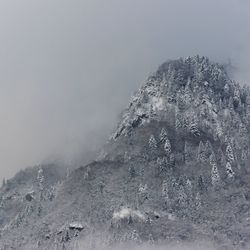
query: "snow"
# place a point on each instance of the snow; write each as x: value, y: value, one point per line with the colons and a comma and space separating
x: 157, y: 103
x: 126, y: 213
x: 76, y: 225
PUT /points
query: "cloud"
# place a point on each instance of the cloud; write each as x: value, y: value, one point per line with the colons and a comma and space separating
x: 69, y: 67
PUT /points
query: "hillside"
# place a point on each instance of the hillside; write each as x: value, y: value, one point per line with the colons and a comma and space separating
x: 175, y: 170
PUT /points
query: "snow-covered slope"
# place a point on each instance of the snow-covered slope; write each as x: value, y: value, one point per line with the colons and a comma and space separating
x: 175, y: 170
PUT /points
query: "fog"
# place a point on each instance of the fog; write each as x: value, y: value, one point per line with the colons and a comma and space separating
x: 97, y: 243
x: 67, y: 68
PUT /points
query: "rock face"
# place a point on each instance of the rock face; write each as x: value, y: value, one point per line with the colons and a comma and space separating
x: 176, y: 169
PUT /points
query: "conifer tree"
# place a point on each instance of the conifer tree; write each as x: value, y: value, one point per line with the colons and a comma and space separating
x: 198, y: 201
x: 193, y: 126
x: 164, y: 191
x: 229, y: 170
x: 135, y: 237
x: 208, y: 148
x: 201, y: 152
x: 167, y: 147
x: 163, y: 135
x: 215, y: 176
x: 40, y: 179
x: 152, y: 143
x: 229, y: 153
x: 172, y: 161
x: 178, y: 120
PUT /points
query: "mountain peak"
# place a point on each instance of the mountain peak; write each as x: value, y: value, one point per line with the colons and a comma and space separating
x: 180, y: 84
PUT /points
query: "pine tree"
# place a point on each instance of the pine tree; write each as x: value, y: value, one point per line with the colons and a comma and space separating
x: 181, y: 102
x: 236, y: 97
x: 182, y: 196
x: 193, y: 126
x: 208, y: 148
x: 40, y: 179
x: 171, y: 161
x: 167, y: 147
x: 229, y: 153
x: 189, y: 187
x: 163, y: 136
x: 135, y: 237
x: 198, y: 203
x: 152, y: 143
x: 229, y: 170
x: 164, y: 191
x: 212, y: 159
x: 201, y: 184
x: 219, y: 130
x: 161, y: 164
x: 230, y: 103
x: 178, y: 120
x: 226, y: 90
x: 201, y: 152
x: 215, y: 176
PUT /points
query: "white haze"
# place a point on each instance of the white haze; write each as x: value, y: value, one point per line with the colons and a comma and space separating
x: 98, y: 244
x: 67, y: 68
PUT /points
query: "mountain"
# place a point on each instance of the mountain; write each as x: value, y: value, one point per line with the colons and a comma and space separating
x: 174, y: 170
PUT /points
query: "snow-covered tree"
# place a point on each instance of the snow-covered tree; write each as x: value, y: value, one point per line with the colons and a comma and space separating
x: 229, y: 153
x: 218, y: 130
x: 188, y: 154
x: 161, y: 164
x: 212, y: 159
x: 201, y: 152
x: 182, y: 196
x: 178, y: 120
x: 180, y: 100
x: 226, y: 90
x: 229, y: 170
x: 167, y: 147
x: 189, y: 187
x: 164, y: 191
x: 236, y: 97
x: 87, y: 173
x: 163, y: 135
x: 197, y: 201
x: 171, y: 161
x: 215, y: 176
x: 40, y: 179
x: 231, y: 103
x: 152, y: 143
x: 135, y: 237
x: 193, y: 126
x: 208, y: 148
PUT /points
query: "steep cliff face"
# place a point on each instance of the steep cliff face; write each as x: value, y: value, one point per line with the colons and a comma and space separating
x: 176, y: 169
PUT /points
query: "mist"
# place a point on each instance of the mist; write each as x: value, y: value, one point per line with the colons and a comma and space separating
x: 68, y: 68
x: 97, y: 242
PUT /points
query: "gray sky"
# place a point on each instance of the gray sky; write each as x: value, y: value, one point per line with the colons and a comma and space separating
x: 67, y: 68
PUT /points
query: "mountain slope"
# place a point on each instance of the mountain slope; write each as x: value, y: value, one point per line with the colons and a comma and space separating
x: 175, y: 169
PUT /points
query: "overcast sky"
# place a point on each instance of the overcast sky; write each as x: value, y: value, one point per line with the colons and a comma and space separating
x: 67, y: 68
